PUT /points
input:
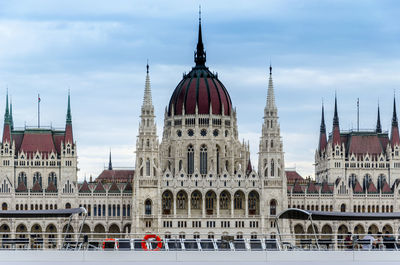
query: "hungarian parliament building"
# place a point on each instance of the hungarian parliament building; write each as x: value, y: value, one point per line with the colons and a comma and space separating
x: 198, y: 182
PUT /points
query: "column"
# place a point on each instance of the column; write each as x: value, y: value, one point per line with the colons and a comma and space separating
x: 246, y: 205
x: 189, y: 206
x: 217, y: 202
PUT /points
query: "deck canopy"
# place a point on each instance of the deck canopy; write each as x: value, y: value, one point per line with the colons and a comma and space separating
x: 41, y: 213
x: 299, y: 214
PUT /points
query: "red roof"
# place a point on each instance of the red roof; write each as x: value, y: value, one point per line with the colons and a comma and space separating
x: 42, y: 142
x: 326, y: 188
x: 363, y: 144
x: 51, y: 187
x: 203, y: 89
x: 312, y: 188
x: 21, y: 187
x: 249, y: 168
x: 336, y: 136
x: 128, y: 188
x: 117, y: 175
x: 297, y: 188
x: 6, y: 133
x: 395, y: 139
x: 372, y: 188
x: 357, y: 187
x: 322, y: 142
x: 99, y: 188
x: 85, y: 187
x: 114, y: 188
x: 36, y: 187
x: 68, y: 134
x: 386, y: 188
x: 293, y: 175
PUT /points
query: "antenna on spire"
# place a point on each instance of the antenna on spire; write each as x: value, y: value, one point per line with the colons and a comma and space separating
x: 358, y: 114
x: 270, y: 67
x: 199, y: 14
x: 147, y: 66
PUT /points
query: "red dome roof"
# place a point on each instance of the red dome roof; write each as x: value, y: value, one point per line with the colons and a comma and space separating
x: 202, y: 88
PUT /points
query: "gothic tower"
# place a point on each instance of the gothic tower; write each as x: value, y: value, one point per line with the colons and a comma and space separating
x: 146, y: 182
x: 271, y: 166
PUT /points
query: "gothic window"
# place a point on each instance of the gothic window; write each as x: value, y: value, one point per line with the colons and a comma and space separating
x: 147, y: 207
x: 181, y: 200
x: 238, y: 201
x: 190, y: 159
x: 180, y: 165
x: 53, y: 178
x: 253, y: 201
x: 272, y: 207
x: 67, y: 205
x: 381, y: 181
x: 352, y: 180
x: 148, y: 143
x: 22, y: 178
x: 366, y: 180
x: 148, y: 167
x: 266, y: 172
x: 203, y: 160
x: 169, y: 151
x: 4, y: 206
x: 343, y: 208
x: 224, y: 200
x: 37, y: 177
x: 166, y: 202
x: 218, y: 152
x: 272, y: 167
x: 210, y: 196
x: 196, y: 200
x: 272, y: 143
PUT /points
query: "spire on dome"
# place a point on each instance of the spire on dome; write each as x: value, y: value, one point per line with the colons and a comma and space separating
x: 147, y: 89
x: 270, y: 96
x: 200, y: 54
x: 336, y: 129
x: 378, y: 122
x: 69, y: 116
x: 110, y: 163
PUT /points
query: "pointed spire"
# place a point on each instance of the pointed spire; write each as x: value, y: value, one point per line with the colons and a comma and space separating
x: 147, y: 101
x: 200, y: 54
x: 394, y: 118
x: 336, y: 129
x: 395, y: 139
x: 270, y: 96
x: 69, y: 116
x: 11, y: 115
x: 322, y: 135
x: 7, y: 113
x: 378, y: 122
x: 335, y: 117
x: 110, y: 163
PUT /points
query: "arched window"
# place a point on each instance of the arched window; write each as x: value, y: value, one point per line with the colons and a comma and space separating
x: 180, y: 165
x: 195, y: 201
x: 238, y: 201
x: 366, y: 180
x: 210, y: 201
x: 22, y: 178
x: 272, y: 167
x: 381, y: 181
x: 181, y: 200
x: 147, y: 167
x: 67, y: 205
x: 190, y: 159
x: 203, y: 160
x: 352, y: 180
x: 224, y: 200
x: 4, y: 206
x: 166, y: 202
x: 253, y: 201
x: 37, y: 177
x: 343, y: 208
x: 272, y: 207
x: 147, y: 207
x: 53, y: 178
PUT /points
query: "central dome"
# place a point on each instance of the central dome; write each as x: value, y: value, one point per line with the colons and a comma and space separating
x: 200, y: 88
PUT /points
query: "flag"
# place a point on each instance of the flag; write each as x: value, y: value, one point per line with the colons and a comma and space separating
x: 38, y: 98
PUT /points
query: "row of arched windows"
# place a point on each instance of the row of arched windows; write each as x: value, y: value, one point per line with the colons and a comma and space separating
x: 37, y: 177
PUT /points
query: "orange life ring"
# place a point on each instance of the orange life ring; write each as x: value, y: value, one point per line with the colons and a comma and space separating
x: 147, y: 237
x: 110, y: 239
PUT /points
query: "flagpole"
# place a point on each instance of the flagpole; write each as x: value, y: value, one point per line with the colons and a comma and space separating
x: 38, y: 110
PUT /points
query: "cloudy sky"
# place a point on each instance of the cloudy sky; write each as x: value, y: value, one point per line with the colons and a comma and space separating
x: 98, y: 50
